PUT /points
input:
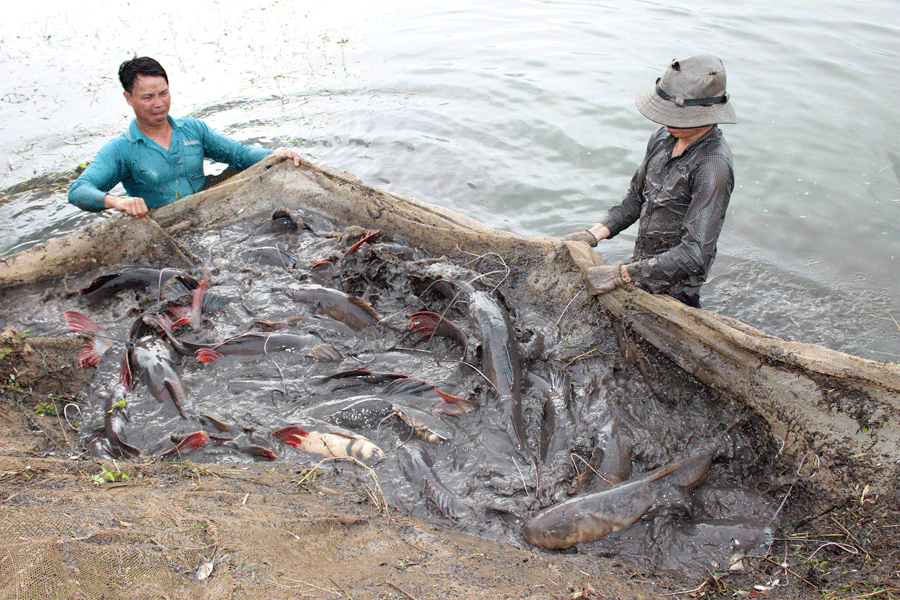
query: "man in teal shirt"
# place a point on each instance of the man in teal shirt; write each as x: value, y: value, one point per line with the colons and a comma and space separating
x: 158, y: 159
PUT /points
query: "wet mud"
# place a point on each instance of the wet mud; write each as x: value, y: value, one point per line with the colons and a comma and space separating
x: 593, y: 405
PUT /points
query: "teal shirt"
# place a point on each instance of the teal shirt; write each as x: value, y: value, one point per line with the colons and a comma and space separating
x: 148, y: 171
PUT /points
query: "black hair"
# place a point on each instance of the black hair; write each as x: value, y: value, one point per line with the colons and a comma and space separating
x: 145, y: 66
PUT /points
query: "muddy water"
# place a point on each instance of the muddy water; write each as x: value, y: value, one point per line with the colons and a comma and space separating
x: 642, y: 412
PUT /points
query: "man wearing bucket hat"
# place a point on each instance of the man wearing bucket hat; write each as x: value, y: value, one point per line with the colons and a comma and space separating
x: 680, y: 192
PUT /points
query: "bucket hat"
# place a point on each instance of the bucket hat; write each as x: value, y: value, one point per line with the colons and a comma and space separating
x: 691, y: 93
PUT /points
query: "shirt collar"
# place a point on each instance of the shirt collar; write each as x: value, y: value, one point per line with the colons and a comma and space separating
x: 135, y: 134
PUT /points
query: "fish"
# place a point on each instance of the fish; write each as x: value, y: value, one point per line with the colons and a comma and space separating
x: 116, y: 415
x: 592, y: 516
x: 91, y: 353
x: 131, y: 278
x: 187, y: 444
x: 428, y: 324
x: 416, y: 465
x: 329, y: 444
x: 557, y: 424
x: 187, y: 315
x: 246, y: 344
x: 611, y: 461
x: 500, y: 360
x: 154, y: 359
x: 427, y: 426
x: 256, y: 344
x: 351, y: 310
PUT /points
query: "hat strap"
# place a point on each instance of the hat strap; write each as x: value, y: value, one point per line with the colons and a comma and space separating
x: 690, y: 101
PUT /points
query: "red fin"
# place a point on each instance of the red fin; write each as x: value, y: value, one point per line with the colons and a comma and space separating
x: 207, y: 355
x: 368, y: 236
x: 80, y: 323
x: 424, y: 322
x: 179, y: 312
x: 125, y: 380
x: 89, y: 355
x: 190, y: 443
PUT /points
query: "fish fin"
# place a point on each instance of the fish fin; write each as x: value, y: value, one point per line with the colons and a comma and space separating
x: 427, y: 323
x: 325, y: 352
x: 80, y: 323
x: 178, y: 286
x: 662, y: 472
x: 363, y: 304
x: 208, y: 355
x: 407, y: 385
x: 259, y: 452
x: 462, y: 403
x: 181, y: 313
x: 368, y: 236
x: 561, y: 382
x: 125, y: 378
x: 424, y: 322
x: 291, y: 435
x: 88, y: 356
x: 212, y: 303
x: 98, y: 283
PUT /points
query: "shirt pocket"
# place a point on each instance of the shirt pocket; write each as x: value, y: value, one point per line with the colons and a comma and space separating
x: 190, y: 163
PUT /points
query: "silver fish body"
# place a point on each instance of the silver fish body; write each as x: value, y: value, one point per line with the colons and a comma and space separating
x: 500, y: 359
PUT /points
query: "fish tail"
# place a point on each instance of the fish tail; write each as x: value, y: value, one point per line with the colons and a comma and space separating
x: 80, y: 323
x: 446, y: 502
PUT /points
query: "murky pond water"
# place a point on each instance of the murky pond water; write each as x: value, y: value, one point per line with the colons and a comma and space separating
x: 497, y: 417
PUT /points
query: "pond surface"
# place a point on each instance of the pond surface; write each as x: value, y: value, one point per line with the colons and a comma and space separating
x: 520, y: 114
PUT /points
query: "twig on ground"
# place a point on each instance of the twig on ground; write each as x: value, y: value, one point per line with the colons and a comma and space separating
x: 401, y: 590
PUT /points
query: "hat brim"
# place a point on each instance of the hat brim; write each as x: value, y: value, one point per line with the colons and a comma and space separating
x: 666, y: 112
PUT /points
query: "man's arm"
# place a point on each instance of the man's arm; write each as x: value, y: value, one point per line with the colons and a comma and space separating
x: 91, y: 190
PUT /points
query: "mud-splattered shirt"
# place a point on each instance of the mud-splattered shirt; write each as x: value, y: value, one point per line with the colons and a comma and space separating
x: 149, y: 171
x: 681, y: 203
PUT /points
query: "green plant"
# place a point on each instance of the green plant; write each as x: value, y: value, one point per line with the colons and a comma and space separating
x: 46, y: 409
x: 105, y: 476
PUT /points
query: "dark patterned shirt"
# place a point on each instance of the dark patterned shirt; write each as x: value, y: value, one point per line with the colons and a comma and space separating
x: 681, y: 203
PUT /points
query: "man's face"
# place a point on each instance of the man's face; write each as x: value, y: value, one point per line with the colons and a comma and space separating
x: 150, y: 100
x: 688, y: 133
